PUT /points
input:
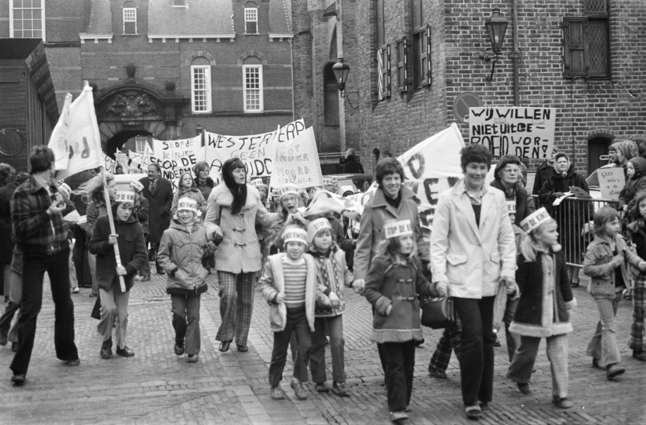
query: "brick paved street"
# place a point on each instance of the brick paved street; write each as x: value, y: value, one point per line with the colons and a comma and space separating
x: 157, y: 387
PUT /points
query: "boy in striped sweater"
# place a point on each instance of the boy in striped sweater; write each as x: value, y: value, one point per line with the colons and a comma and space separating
x: 288, y: 283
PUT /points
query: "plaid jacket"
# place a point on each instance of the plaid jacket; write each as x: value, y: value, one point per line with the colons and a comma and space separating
x: 34, y: 230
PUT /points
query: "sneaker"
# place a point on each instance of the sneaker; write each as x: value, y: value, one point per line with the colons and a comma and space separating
x: 398, y: 416
x: 523, y: 388
x: 436, y: 373
x: 639, y: 355
x: 179, y: 350
x: 614, y: 370
x: 483, y: 405
x: 125, y: 352
x: 75, y: 290
x: 562, y: 402
x: 18, y: 379
x: 322, y: 388
x: 340, y: 389
x: 473, y: 412
x: 277, y: 393
x: 299, y: 390
x: 193, y: 358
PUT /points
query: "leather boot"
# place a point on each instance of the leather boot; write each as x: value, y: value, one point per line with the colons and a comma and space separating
x: 106, y: 349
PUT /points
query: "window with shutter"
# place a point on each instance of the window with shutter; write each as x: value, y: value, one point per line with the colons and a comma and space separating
x: 575, y: 59
x: 251, y: 20
x: 419, y: 48
x: 130, y: 20
x: 383, y: 69
x: 402, y: 65
x: 425, y: 58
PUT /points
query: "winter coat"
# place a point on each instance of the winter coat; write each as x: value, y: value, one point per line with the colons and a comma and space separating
x: 141, y: 211
x: 559, y: 183
x: 543, y: 174
x: 351, y: 166
x: 375, y: 214
x: 132, y: 250
x: 205, y: 188
x: 637, y: 232
x: 159, y: 204
x: 239, y: 251
x: 272, y: 283
x: 634, y: 184
x: 598, y: 266
x: 524, y: 201
x: 336, y: 284
x: 184, y: 249
x: 6, y: 246
x: 391, y: 283
x: 95, y: 209
x: 472, y: 258
x: 192, y: 193
x: 542, y: 309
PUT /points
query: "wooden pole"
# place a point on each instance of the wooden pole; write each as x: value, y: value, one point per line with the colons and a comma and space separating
x: 113, y: 230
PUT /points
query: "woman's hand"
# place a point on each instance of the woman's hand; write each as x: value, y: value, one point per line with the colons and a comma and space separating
x: 121, y: 271
x: 442, y: 287
x: 112, y: 239
x: 358, y: 285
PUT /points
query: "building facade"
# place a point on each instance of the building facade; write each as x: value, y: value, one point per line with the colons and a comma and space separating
x: 416, y: 66
x: 166, y: 69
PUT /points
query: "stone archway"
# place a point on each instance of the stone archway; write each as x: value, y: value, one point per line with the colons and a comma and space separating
x: 137, y: 109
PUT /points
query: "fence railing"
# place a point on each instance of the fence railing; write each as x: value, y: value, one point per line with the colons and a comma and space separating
x: 574, y: 217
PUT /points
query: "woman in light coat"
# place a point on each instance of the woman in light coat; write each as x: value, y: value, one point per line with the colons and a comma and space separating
x: 472, y: 252
x: 235, y: 206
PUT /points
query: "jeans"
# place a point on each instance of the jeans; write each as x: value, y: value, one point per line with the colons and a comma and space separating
x: 400, y: 365
x: 186, y: 321
x: 521, y: 367
x: 297, y: 323
x: 476, y: 349
x: 603, y: 345
x: 322, y: 326
x: 34, y: 268
x: 114, y: 305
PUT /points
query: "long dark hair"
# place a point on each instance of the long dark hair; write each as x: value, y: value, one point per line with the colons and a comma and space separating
x: 239, y: 191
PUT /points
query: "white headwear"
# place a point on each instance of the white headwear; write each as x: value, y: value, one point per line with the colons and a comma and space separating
x: 295, y: 234
x: 535, y: 219
x: 126, y: 196
x: 288, y: 189
x: 187, y: 204
x: 315, y: 226
x: 394, y: 229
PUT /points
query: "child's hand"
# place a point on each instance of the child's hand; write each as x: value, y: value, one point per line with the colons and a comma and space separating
x: 121, y: 271
x: 112, y: 239
x: 334, y: 299
x: 390, y: 307
x: 642, y: 266
x: 617, y: 260
x: 358, y: 285
x: 280, y: 298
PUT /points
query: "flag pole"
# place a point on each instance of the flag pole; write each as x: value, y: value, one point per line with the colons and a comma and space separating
x: 113, y: 230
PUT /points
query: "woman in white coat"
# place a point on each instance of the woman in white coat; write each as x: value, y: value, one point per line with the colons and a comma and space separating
x: 472, y: 252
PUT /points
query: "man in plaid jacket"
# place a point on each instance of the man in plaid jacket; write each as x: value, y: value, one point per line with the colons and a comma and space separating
x: 39, y: 231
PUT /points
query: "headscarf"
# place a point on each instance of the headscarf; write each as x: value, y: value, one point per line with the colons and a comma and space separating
x: 239, y: 191
x: 639, y: 164
x: 628, y: 148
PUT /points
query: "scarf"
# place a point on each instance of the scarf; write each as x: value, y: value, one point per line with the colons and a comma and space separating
x: 324, y: 278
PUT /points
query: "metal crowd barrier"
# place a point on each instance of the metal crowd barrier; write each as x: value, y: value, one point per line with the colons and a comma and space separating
x: 574, y: 217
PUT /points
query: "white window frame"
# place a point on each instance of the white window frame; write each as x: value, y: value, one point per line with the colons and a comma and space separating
x: 206, y: 90
x: 140, y: 144
x: 250, y: 15
x: 247, y: 91
x: 126, y: 18
x: 42, y: 19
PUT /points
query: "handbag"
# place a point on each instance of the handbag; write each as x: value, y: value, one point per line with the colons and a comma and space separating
x: 438, y: 313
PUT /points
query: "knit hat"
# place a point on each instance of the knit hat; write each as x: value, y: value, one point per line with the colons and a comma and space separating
x: 639, y: 164
x: 316, y: 226
x: 535, y: 219
x: 507, y: 159
x: 395, y: 229
x: 295, y: 234
x: 187, y: 204
x: 628, y: 148
x: 257, y: 183
x: 126, y: 196
x: 289, y: 189
x: 136, y: 186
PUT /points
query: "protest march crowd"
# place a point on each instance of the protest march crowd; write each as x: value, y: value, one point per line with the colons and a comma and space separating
x: 493, y: 258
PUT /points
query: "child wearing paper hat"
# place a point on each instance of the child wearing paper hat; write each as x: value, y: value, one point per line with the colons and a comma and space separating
x: 288, y: 282
x: 543, y: 308
x: 392, y: 286
x: 129, y: 237
x: 183, y: 250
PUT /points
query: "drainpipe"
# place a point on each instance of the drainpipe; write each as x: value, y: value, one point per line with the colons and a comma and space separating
x: 516, y: 55
x: 291, y: 54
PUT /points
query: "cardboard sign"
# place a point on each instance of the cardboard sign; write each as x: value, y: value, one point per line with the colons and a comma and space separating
x: 298, y: 163
x: 611, y: 182
x: 176, y: 157
x: 522, y: 131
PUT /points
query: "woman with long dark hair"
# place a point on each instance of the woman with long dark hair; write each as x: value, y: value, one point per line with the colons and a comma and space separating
x: 235, y: 206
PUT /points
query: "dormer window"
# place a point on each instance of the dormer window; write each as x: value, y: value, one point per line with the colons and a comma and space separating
x: 251, y: 20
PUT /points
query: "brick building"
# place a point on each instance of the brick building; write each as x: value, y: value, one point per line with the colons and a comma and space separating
x: 415, y: 67
x: 166, y: 68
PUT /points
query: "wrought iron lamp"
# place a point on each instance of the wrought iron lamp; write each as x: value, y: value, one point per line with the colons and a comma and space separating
x: 496, y: 26
x: 341, y: 71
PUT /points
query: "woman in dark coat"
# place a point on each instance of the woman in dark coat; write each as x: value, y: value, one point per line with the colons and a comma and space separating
x: 203, y: 182
x: 351, y: 165
x: 507, y: 177
x: 114, y: 301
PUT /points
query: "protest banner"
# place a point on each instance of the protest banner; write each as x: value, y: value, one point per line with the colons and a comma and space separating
x: 176, y: 157
x: 611, y: 182
x: 298, y: 163
x: 526, y: 132
x: 256, y: 151
x: 139, y: 161
x: 431, y: 167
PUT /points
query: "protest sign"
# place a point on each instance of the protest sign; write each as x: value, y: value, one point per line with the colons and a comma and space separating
x: 611, y: 182
x: 176, y: 157
x: 526, y: 132
x: 297, y: 163
x: 256, y: 151
x: 110, y: 164
x: 431, y: 167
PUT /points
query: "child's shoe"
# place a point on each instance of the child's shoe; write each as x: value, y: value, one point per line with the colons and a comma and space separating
x: 322, y: 387
x: 179, y: 350
x: 639, y: 355
x: 614, y: 370
x: 299, y: 390
x: 193, y: 358
x: 524, y: 388
x: 398, y: 416
x: 562, y: 402
x: 473, y: 412
x: 340, y: 389
x: 277, y: 393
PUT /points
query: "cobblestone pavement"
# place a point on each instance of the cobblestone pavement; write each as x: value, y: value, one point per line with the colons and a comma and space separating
x: 158, y: 387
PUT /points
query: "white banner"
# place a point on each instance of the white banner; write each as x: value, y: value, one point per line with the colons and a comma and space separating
x: 526, y: 132
x: 75, y: 139
x: 298, y: 163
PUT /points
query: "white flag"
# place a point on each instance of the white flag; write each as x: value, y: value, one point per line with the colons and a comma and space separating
x: 75, y: 140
